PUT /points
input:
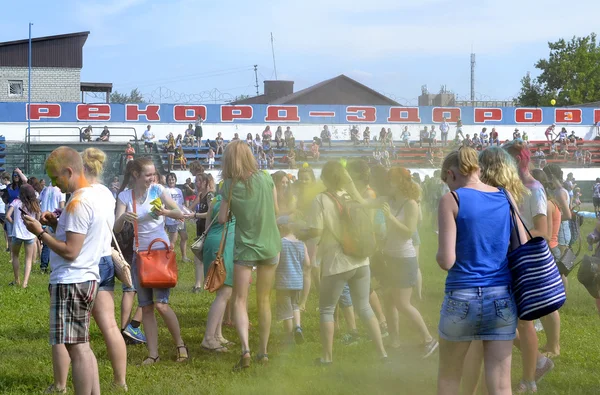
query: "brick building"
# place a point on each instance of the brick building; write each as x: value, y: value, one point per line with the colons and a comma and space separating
x: 56, y: 69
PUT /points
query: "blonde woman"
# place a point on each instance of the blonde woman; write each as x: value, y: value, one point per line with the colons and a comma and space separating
x: 257, y: 241
x: 533, y: 209
x: 478, y: 304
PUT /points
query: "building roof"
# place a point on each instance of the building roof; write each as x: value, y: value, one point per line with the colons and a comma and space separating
x: 96, y: 87
x: 338, y: 90
x: 63, y: 50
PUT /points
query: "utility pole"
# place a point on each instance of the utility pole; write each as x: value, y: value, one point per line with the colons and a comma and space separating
x: 273, y: 51
x: 472, y: 78
x: 256, y: 78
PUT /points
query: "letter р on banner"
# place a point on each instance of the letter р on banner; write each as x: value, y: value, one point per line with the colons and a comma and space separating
x: 42, y: 111
x: 229, y: 113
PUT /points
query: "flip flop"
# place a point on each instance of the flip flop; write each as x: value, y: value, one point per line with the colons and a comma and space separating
x: 228, y: 344
x: 216, y: 350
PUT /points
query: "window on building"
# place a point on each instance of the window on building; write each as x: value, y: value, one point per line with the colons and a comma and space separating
x: 15, y: 88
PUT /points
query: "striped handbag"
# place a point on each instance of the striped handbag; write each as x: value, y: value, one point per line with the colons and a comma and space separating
x: 536, y: 282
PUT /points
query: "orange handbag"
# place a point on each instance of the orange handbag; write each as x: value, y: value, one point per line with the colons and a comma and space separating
x: 156, y: 268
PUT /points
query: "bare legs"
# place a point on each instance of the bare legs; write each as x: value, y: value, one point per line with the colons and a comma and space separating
x: 401, y: 298
x: 127, y: 307
x: 199, y: 274
x: 85, y: 369
x: 264, y: 283
x: 151, y: 327
x: 213, y: 334
x: 182, y: 242
x: 29, y: 252
x: 551, y: 325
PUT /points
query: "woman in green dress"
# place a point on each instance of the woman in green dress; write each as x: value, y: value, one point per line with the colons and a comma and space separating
x: 213, y: 337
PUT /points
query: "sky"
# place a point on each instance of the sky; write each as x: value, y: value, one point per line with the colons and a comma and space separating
x: 201, y: 51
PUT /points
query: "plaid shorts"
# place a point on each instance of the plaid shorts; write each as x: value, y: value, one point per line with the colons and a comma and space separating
x: 70, y: 311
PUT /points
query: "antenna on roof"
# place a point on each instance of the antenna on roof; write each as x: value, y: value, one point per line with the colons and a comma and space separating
x: 273, y: 51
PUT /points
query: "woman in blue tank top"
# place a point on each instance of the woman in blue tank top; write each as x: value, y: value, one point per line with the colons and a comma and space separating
x: 474, y: 235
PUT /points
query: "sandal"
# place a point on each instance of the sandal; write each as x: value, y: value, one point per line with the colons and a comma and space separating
x: 262, y: 358
x: 227, y: 343
x: 244, y: 362
x: 150, y: 361
x: 216, y: 350
x: 55, y: 390
x: 182, y: 358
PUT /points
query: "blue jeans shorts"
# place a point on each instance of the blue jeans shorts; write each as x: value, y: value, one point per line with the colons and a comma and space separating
x: 107, y: 274
x: 564, y: 233
x: 16, y: 240
x: 488, y: 314
x: 148, y: 296
x: 345, y: 298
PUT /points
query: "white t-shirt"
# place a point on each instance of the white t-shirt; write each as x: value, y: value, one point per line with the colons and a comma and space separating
x: 147, y: 136
x: 107, y: 197
x: 86, y: 213
x: 177, y: 196
x: 534, y: 204
x: 51, y: 197
x: 149, y: 228
x: 19, y: 229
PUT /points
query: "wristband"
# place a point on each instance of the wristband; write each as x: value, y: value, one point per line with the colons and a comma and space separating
x: 41, y: 234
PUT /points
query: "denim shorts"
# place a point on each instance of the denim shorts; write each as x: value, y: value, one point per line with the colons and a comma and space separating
x: 9, y: 229
x: 148, y: 296
x: 345, y: 298
x: 107, y: 274
x: 16, y: 240
x: 488, y: 313
x: 401, y: 273
x: 564, y: 233
x: 264, y: 262
x: 175, y: 228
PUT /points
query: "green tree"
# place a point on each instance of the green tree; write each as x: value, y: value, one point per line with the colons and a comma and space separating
x: 133, y: 97
x: 571, y: 74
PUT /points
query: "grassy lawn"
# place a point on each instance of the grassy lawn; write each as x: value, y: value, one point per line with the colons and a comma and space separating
x: 26, y: 367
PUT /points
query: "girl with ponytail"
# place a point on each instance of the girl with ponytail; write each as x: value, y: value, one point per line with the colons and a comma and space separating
x: 474, y: 232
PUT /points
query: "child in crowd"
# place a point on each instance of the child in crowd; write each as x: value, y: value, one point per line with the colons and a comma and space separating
x: 129, y: 152
x: 115, y: 185
x: 211, y: 158
x: 180, y: 157
x: 290, y: 280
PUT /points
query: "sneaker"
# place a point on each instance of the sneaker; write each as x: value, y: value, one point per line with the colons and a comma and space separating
x: 384, y: 330
x: 541, y: 372
x: 298, y: 335
x: 135, y: 334
x: 350, y: 339
x: 429, y: 348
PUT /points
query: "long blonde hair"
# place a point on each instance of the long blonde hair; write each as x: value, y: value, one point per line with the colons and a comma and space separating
x: 238, y: 163
x: 499, y: 169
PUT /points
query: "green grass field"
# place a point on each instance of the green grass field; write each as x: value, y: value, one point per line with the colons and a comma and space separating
x: 26, y: 367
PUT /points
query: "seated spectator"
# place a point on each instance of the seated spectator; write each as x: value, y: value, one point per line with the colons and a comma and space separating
x: 250, y: 142
x: 266, y: 145
x: 367, y: 136
x: 564, y: 152
x: 291, y: 157
x: 382, y: 134
x: 279, y: 137
x: 516, y: 134
x: 385, y: 158
x: 587, y: 158
x: 573, y: 139
x: 424, y: 136
x: 257, y: 142
x: 326, y: 135
x: 314, y: 148
x: 553, y: 150
x: 262, y: 158
x: 525, y: 138
x: 494, y: 137
x: 317, y: 140
x: 467, y: 141
x: 86, y: 135
x: 579, y: 156
x: 429, y: 156
x: 271, y: 159
x: 290, y: 141
x: 301, y: 152
x: 354, y: 135
x: 189, y: 138
x: 562, y: 136
x: 266, y: 134
x: 105, y: 135
x: 211, y: 144
x: 236, y: 137
x: 476, y: 141
x: 389, y: 138
x: 180, y: 158
x: 540, y: 158
x: 220, y: 144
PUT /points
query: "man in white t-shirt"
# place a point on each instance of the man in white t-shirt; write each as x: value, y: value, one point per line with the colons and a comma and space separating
x: 76, y: 249
x: 148, y: 138
x: 51, y: 198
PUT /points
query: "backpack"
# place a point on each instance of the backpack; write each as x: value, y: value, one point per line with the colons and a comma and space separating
x: 358, y: 231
